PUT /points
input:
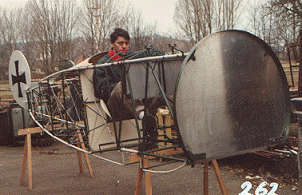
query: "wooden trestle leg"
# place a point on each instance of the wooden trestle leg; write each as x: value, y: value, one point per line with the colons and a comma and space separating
x: 141, y: 173
x: 206, y: 178
x: 28, y: 156
x: 82, y: 145
x: 218, y: 176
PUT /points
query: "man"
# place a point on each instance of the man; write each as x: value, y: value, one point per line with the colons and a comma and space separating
x: 120, y: 42
x: 120, y: 45
x: 120, y: 106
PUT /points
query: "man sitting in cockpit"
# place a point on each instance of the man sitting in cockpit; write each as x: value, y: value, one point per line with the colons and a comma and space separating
x: 120, y: 105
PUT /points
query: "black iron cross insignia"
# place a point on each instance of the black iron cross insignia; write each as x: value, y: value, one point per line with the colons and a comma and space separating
x: 19, y: 78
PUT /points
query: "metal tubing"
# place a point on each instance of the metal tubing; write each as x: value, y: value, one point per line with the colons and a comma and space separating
x: 84, y: 111
x: 65, y: 104
x: 290, y: 67
x: 166, y: 157
x: 162, y: 164
x: 300, y: 67
x: 58, y: 119
x: 146, y: 82
x: 122, y: 141
x: 163, y: 93
x: 111, y: 106
x: 94, y: 111
x: 165, y: 148
x: 49, y: 103
x: 299, y: 156
x: 164, y: 76
x: 132, y: 98
x: 154, y: 58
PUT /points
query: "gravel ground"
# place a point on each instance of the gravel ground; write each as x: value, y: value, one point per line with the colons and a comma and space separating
x: 58, y: 173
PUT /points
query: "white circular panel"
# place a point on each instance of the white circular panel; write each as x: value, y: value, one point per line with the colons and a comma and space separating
x: 19, y: 77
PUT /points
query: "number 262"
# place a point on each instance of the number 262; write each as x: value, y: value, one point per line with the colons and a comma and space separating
x: 261, y: 190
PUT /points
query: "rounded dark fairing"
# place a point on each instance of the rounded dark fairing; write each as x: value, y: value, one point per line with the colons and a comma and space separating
x: 231, y: 96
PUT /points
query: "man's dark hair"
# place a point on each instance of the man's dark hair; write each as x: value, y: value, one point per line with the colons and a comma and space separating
x: 119, y: 32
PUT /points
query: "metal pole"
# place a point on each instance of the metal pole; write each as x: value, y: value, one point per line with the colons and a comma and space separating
x: 300, y: 66
x: 290, y: 66
x: 299, y: 156
x: 97, y: 25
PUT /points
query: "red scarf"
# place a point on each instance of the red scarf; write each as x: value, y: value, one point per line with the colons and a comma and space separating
x: 111, y: 53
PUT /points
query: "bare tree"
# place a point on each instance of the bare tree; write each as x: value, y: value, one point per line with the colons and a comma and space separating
x: 142, y: 34
x: 261, y: 21
x: 276, y: 25
x: 290, y: 11
x: 294, y: 6
x: 98, y: 20
x: 10, y: 34
x: 190, y: 18
x: 226, y: 14
x: 199, y: 18
x: 51, y: 27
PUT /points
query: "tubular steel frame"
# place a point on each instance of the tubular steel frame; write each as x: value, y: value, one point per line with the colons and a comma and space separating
x: 51, y: 104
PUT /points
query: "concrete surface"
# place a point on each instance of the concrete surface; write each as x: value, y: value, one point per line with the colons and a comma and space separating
x: 58, y: 173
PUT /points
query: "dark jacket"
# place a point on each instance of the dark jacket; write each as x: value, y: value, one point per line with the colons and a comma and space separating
x: 114, y: 73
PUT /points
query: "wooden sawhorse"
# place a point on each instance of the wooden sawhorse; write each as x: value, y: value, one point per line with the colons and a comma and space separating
x: 148, y: 185
x: 28, y: 156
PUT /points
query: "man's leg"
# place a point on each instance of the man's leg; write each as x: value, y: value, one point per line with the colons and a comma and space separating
x: 122, y: 107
